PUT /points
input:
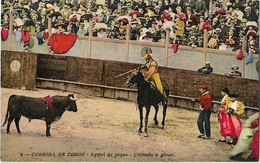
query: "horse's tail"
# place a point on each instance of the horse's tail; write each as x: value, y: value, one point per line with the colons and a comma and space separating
x: 166, y: 89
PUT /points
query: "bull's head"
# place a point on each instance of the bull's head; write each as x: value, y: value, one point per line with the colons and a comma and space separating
x: 72, y: 103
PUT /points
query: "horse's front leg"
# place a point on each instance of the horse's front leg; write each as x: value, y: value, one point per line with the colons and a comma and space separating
x: 164, y: 113
x: 146, y: 119
x: 141, y: 119
x: 155, y: 115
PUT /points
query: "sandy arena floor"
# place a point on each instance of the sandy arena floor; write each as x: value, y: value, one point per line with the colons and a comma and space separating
x: 106, y: 130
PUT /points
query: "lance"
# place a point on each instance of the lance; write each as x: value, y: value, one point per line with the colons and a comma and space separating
x: 125, y: 73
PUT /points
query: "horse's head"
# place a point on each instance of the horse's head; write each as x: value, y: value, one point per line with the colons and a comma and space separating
x: 135, y: 78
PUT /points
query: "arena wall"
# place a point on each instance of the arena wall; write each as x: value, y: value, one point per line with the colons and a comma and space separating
x: 93, y: 76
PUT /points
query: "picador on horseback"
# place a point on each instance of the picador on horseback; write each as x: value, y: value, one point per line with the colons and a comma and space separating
x: 150, y: 70
x: 149, y: 95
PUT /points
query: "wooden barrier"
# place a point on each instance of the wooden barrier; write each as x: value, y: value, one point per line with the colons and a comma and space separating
x: 181, y: 82
x: 18, y: 70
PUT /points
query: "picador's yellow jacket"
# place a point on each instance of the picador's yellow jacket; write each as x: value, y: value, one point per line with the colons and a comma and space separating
x: 153, y: 75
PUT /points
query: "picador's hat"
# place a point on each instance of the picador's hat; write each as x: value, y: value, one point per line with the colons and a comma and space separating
x: 146, y: 52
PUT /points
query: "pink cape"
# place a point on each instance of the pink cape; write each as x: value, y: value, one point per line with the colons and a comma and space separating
x: 229, y: 124
x: 61, y: 43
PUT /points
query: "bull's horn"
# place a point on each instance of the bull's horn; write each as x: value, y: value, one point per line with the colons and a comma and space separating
x: 74, y: 99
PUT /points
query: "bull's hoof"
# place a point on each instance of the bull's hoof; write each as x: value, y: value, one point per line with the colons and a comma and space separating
x: 146, y: 134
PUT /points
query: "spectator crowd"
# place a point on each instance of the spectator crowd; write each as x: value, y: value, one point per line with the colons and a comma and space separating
x: 226, y: 21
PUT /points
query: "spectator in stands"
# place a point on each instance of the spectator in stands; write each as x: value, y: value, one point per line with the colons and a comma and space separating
x: 99, y: 9
x: 229, y: 47
x: 5, y: 19
x: 134, y: 17
x: 193, y: 32
x: 107, y: 18
x: 192, y: 42
x: 213, y: 42
x: 238, y: 12
x: 202, y: 20
x: 60, y: 28
x: 176, y: 3
x: 162, y: 36
x: 29, y: 12
x: 94, y: 18
x: 165, y: 5
x: 250, y: 15
x: 236, y: 20
x: 252, y: 46
x: 224, y: 29
x: 119, y: 10
x: 122, y: 27
x: 215, y: 23
x: 223, y: 45
x: 179, y: 10
x: 114, y: 30
x: 191, y: 18
x: 199, y: 7
x: 171, y: 13
x: 65, y: 13
x: 228, y: 18
x: 207, y: 69
x: 199, y: 43
x: 188, y: 3
x: 179, y: 25
x: 153, y: 28
x: 30, y: 26
x: 147, y: 23
x: 82, y: 31
x: 102, y: 32
x: 112, y: 4
x: 234, y: 72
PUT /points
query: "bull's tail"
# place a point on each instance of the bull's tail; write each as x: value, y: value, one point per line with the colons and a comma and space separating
x: 7, y: 112
x: 6, y: 116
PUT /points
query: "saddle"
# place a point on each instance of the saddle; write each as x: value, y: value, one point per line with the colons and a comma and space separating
x: 153, y: 87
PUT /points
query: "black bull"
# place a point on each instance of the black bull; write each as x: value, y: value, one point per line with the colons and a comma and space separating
x: 36, y: 108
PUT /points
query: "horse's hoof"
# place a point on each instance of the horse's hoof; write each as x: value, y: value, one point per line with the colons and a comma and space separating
x: 8, y: 132
x: 139, y: 131
x: 156, y: 123
x: 19, y: 132
x: 146, y: 134
x: 162, y: 127
x: 49, y: 136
